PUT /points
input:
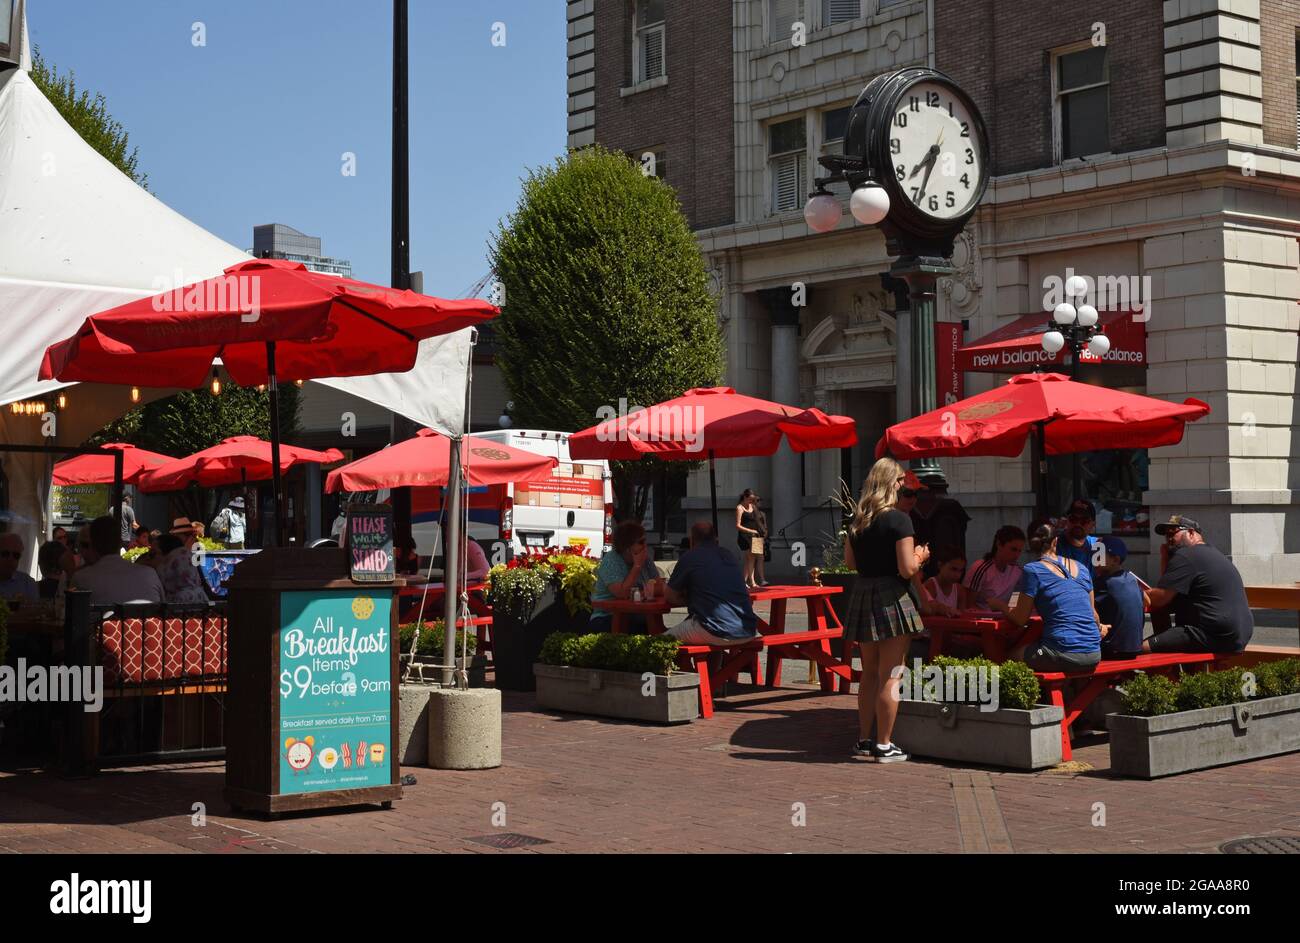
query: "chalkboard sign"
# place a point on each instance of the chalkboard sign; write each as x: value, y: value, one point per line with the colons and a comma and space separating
x: 370, y: 544
x: 335, y: 690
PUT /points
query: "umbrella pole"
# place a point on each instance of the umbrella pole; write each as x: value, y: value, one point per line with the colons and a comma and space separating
x: 275, y: 442
x: 451, y: 567
x: 1041, y: 435
x: 117, y: 488
x: 713, y: 491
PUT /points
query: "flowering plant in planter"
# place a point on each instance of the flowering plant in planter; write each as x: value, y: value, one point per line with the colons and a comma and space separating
x: 517, y: 585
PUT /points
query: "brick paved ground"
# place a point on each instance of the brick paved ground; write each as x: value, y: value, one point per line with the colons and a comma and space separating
x: 729, y: 783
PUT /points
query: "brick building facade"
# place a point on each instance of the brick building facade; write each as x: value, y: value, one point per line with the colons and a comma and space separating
x: 1149, y: 142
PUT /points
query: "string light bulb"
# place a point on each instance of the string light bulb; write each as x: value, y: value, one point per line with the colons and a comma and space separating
x: 216, y: 383
x: 298, y: 383
x: 63, y: 401
x: 135, y: 394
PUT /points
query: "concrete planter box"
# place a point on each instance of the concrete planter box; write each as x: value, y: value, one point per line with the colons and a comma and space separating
x: 618, y: 694
x: 1014, y: 739
x: 1148, y: 747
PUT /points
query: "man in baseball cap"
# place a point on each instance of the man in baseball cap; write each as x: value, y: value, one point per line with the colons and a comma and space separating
x: 1118, y: 595
x: 1202, y: 590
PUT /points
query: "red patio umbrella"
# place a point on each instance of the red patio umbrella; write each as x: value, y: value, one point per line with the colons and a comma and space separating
x: 265, y: 319
x: 713, y: 422
x: 426, y: 460
x: 1075, y: 417
x: 98, y: 469
x: 1066, y: 416
x: 232, y: 461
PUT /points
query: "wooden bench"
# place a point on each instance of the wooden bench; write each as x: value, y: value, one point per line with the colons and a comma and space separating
x: 1107, y: 673
x: 733, y: 660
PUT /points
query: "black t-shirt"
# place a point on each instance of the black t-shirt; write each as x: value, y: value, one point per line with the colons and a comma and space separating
x: 1210, y: 594
x: 874, y: 548
x: 946, y: 525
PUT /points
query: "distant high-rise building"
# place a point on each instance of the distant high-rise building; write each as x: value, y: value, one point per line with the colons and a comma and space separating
x: 278, y: 241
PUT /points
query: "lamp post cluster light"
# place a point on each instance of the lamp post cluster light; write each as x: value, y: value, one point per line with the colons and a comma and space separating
x: 1075, y: 323
x: 869, y: 205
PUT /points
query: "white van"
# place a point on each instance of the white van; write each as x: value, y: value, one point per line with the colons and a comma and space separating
x: 572, y: 508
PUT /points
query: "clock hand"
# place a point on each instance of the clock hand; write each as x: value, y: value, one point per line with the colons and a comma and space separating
x: 927, y: 160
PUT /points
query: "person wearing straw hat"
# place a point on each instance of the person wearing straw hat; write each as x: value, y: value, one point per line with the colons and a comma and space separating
x: 179, y: 573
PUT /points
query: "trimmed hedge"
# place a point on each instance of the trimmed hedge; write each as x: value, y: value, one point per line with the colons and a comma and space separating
x: 1152, y: 695
x: 1017, y: 685
x: 656, y: 654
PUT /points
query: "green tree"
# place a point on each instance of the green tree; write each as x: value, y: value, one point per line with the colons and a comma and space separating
x: 88, y: 115
x: 606, y: 299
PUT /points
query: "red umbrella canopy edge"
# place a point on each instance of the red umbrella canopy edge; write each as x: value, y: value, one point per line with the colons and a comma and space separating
x: 235, y: 459
x: 321, y: 325
x: 714, y: 420
x: 425, y: 461
x: 98, y: 469
x: 1077, y: 417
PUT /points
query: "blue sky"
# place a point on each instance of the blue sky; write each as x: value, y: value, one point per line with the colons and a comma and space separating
x: 251, y: 128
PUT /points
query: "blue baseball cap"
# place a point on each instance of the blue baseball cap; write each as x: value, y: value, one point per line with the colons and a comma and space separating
x: 1115, y: 548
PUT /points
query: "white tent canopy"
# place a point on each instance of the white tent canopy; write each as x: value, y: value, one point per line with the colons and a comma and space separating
x: 77, y: 236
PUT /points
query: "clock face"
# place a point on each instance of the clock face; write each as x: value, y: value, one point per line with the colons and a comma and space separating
x: 935, y: 151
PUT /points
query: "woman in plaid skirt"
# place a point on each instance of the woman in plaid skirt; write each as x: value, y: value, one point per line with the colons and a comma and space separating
x: 881, y: 616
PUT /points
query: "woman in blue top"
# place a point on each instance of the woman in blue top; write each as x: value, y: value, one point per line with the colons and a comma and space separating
x: 1061, y: 591
x: 623, y: 567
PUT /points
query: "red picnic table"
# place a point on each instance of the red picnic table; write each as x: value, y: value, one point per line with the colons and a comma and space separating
x: 996, y: 632
x: 812, y: 644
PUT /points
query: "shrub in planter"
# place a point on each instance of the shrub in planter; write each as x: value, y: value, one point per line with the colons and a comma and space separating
x: 1153, y: 695
x: 1206, y: 719
x: 605, y: 674
x: 1276, y: 678
x: 656, y: 654
x: 1017, y: 685
x: 1150, y: 695
x: 940, y: 721
x: 432, y: 638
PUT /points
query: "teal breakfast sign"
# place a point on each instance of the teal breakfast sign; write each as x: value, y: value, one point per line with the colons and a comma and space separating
x: 335, y: 690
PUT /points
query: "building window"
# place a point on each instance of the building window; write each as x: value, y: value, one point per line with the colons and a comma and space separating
x: 653, y: 161
x: 781, y: 17
x: 840, y: 11
x: 1081, y: 81
x: 648, y: 41
x: 787, y: 145
x: 833, y: 124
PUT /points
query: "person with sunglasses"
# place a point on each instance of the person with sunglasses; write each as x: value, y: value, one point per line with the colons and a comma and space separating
x: 1202, y: 590
x: 15, y: 585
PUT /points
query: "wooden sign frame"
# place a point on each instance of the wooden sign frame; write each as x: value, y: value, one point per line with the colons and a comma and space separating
x: 384, y: 513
